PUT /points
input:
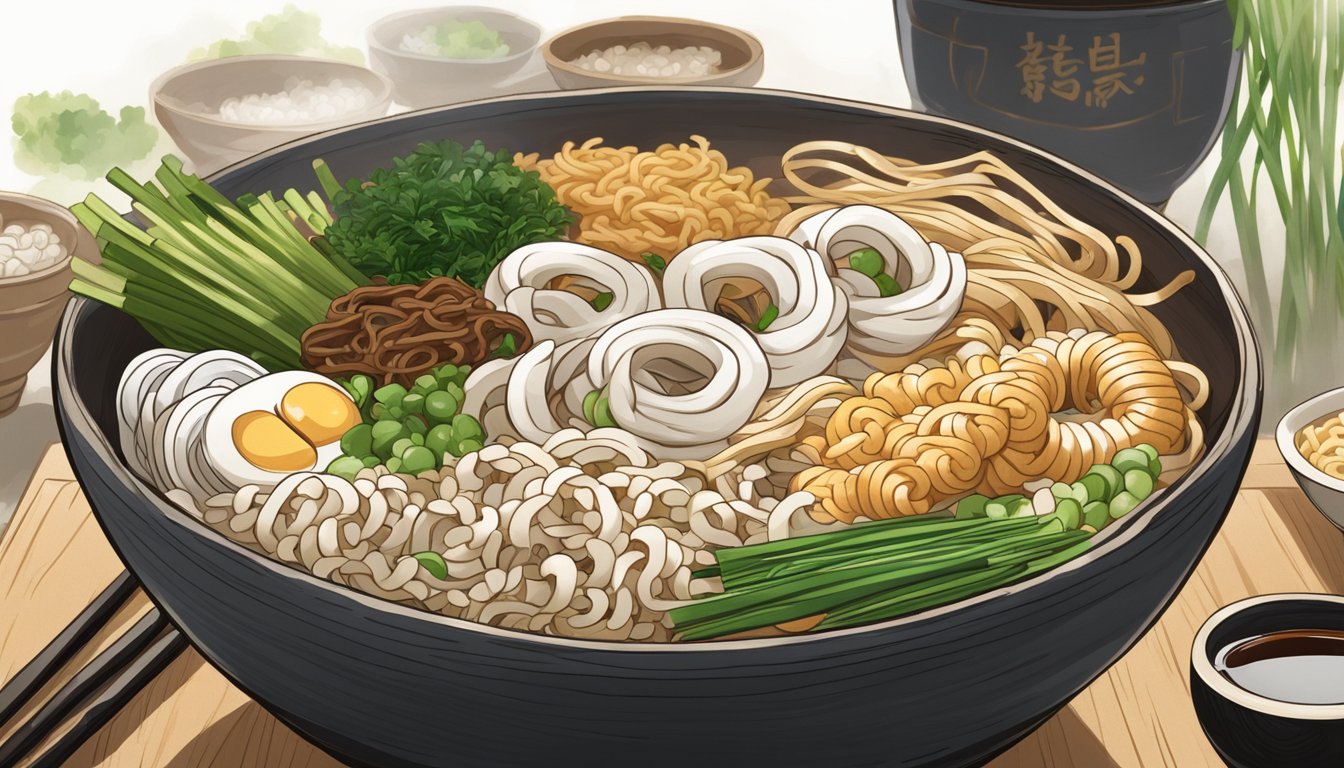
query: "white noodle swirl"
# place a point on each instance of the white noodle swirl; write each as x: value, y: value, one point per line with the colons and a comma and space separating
x: 934, y: 280
x: 680, y: 380
x: 651, y: 367
x: 519, y: 285
x: 809, y: 331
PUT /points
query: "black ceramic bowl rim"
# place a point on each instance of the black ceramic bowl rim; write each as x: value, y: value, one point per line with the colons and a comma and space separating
x: 1201, y: 661
x: 1083, y: 9
x: 1241, y: 417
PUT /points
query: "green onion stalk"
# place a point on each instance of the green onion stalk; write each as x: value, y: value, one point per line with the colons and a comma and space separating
x: 205, y: 272
x: 1281, y: 139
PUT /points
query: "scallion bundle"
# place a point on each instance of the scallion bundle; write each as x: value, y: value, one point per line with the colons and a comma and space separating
x: 208, y: 273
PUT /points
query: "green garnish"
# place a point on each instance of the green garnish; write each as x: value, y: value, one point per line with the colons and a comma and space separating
x: 887, y: 285
x: 434, y: 563
x: 767, y: 317
x: 867, y: 261
x: 889, y: 568
x: 208, y: 273
x: 508, y: 347
x: 602, y: 300
x: 655, y: 262
x: 444, y: 209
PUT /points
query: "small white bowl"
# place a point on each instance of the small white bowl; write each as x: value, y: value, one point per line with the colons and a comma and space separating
x: 420, y: 80
x: 1326, y: 492
x: 211, y: 142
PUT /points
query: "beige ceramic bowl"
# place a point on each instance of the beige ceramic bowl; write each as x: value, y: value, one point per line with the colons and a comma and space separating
x: 31, y: 304
x: 184, y: 98
x: 420, y: 80
x: 743, y: 57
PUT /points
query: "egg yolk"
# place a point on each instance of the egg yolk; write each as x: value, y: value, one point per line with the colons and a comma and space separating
x: 319, y: 413
x: 269, y: 443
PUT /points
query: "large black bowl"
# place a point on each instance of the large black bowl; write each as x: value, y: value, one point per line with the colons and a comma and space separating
x: 379, y: 684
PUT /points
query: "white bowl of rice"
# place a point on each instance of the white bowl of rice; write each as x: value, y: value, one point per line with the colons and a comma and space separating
x: 224, y: 110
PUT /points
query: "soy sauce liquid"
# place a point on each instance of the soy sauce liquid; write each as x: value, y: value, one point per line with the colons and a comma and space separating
x: 1303, y: 666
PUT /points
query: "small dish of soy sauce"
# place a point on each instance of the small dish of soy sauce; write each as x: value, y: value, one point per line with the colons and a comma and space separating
x: 1267, y: 679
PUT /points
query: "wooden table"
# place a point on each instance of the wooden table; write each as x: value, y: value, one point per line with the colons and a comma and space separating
x: 54, y: 560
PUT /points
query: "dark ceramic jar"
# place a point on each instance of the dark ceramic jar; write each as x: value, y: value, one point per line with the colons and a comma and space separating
x: 1134, y: 90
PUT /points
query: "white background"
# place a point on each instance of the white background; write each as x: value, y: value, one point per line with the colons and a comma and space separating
x: 113, y: 50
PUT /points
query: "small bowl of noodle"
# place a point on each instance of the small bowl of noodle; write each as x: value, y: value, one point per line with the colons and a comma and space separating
x: 1311, y: 439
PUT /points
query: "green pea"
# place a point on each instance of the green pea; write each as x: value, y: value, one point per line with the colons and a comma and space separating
x: 426, y: 382
x: 346, y: 467
x: 467, y: 446
x: 390, y: 394
x: 1078, y: 492
x: 466, y: 427
x: 1123, y: 503
x: 1139, y: 484
x: 1130, y: 458
x: 400, y: 446
x: 1096, y: 514
x: 415, y: 425
x: 1096, y: 485
x: 439, y: 438
x: 972, y: 506
x: 417, y: 438
x: 440, y: 406
x: 418, y: 459
x: 602, y: 413
x: 455, y: 390
x: 413, y: 403
x: 371, y: 461
x: 887, y: 285
x: 357, y: 440
x: 445, y: 372
x: 589, y: 403
x: 384, y: 434
x: 393, y: 464
x: 1070, y: 512
x: 867, y: 261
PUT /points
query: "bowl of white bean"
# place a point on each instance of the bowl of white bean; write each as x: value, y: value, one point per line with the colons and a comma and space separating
x: 639, y: 50
x: 221, y: 111
x: 38, y: 240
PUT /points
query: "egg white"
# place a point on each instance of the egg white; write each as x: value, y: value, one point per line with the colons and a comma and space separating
x: 264, y: 394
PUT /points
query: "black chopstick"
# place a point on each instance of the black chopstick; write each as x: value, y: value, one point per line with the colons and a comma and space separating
x: 117, y: 694
x: 121, y: 658
x: 37, y: 673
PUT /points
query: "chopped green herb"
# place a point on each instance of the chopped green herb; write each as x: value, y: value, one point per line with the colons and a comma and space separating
x: 602, y: 300
x: 508, y: 347
x: 867, y: 261
x: 655, y: 262
x: 434, y: 563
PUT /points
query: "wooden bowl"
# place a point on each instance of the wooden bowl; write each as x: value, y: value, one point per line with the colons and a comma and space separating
x: 743, y: 57
x: 377, y: 683
x: 30, y: 305
x: 211, y: 142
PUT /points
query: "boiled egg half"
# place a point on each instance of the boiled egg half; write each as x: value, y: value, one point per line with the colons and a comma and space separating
x: 274, y: 426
